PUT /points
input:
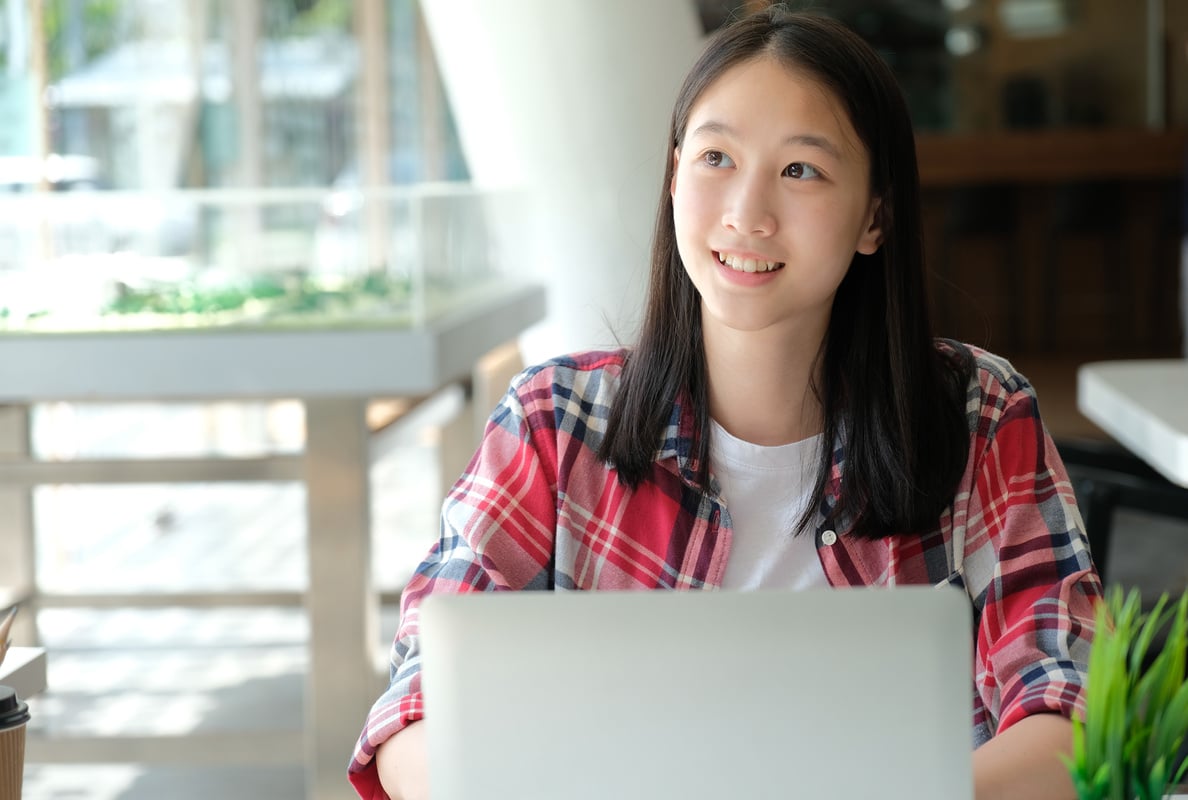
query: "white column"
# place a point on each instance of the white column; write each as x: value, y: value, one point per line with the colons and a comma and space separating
x: 372, y: 123
x: 342, y: 681
x: 570, y: 101
x: 246, y: 228
x: 18, y: 544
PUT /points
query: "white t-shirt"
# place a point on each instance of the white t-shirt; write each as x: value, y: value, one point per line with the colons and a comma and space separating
x: 765, y: 490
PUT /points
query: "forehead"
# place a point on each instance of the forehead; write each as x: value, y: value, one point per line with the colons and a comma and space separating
x: 766, y: 96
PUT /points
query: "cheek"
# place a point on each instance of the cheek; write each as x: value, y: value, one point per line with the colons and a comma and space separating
x: 839, y: 224
x: 689, y: 210
x: 688, y: 228
x: 680, y: 214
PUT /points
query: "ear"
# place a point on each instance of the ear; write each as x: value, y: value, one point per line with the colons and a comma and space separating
x: 676, y: 160
x: 872, y: 237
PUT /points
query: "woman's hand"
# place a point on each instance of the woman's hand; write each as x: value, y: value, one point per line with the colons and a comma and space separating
x: 1023, y: 762
x: 403, y: 764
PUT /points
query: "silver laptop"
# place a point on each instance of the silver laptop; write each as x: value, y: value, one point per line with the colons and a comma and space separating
x: 831, y: 693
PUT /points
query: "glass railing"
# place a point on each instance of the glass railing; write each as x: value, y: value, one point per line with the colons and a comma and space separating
x: 110, y: 260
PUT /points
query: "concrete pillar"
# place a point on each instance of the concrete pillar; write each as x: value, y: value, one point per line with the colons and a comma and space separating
x: 569, y: 101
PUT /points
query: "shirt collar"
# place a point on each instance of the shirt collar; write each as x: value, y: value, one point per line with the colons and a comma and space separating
x: 681, y: 439
x: 681, y: 442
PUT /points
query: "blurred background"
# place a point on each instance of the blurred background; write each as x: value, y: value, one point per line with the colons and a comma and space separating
x: 202, y: 166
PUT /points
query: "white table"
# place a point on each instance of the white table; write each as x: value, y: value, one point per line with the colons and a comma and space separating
x: 1144, y: 405
x: 24, y: 670
x: 334, y: 372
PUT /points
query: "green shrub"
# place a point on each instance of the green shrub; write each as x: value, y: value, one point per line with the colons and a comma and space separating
x: 1136, y: 706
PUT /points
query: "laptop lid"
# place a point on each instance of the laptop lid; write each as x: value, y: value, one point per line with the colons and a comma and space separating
x: 830, y: 693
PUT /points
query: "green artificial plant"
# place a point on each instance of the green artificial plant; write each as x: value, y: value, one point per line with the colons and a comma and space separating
x: 1136, y: 705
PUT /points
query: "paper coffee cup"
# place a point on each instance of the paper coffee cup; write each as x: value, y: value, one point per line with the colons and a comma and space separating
x: 14, y: 714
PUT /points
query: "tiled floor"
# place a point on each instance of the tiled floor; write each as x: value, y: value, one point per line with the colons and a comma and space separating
x: 170, y: 671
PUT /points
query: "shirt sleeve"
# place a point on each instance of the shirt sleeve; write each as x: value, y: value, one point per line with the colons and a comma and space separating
x: 497, y: 529
x: 1027, y: 565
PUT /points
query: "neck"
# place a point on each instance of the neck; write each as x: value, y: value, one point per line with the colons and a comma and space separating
x: 759, y: 383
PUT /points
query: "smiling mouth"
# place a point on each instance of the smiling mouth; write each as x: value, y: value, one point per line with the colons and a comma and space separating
x: 739, y: 264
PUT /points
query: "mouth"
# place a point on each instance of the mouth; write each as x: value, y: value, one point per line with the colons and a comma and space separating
x: 740, y: 264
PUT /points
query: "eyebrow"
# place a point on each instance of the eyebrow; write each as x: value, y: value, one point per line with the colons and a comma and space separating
x: 806, y: 139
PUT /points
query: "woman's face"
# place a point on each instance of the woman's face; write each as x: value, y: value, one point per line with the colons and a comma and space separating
x: 771, y: 199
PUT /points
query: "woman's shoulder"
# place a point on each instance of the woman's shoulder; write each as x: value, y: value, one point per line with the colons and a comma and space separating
x: 993, y: 382
x: 569, y: 367
x: 589, y: 376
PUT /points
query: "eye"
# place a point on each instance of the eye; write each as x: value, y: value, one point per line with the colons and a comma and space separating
x: 800, y: 171
x: 716, y: 158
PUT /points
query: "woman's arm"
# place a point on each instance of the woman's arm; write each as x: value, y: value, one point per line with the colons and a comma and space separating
x: 1023, y: 762
x: 403, y: 764
x: 1027, y: 566
x: 480, y: 548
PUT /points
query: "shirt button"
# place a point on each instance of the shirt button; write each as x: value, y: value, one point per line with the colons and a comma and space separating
x: 828, y: 538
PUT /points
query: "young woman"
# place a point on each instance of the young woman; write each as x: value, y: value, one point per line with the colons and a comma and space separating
x: 786, y: 418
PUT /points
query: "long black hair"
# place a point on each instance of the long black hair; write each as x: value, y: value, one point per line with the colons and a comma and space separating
x: 897, y: 401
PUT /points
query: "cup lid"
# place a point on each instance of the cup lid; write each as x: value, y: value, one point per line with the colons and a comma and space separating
x: 13, y: 710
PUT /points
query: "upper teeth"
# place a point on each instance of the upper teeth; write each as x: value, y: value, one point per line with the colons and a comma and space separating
x: 747, y: 264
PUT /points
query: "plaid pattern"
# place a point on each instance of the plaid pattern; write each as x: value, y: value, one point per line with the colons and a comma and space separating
x: 536, y: 509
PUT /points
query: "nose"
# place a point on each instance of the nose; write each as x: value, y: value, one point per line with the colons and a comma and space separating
x: 749, y: 210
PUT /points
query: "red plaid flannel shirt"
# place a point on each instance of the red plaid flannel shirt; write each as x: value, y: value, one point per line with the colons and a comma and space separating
x: 536, y: 509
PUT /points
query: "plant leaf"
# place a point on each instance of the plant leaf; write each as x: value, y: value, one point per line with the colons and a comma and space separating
x: 1152, y: 624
